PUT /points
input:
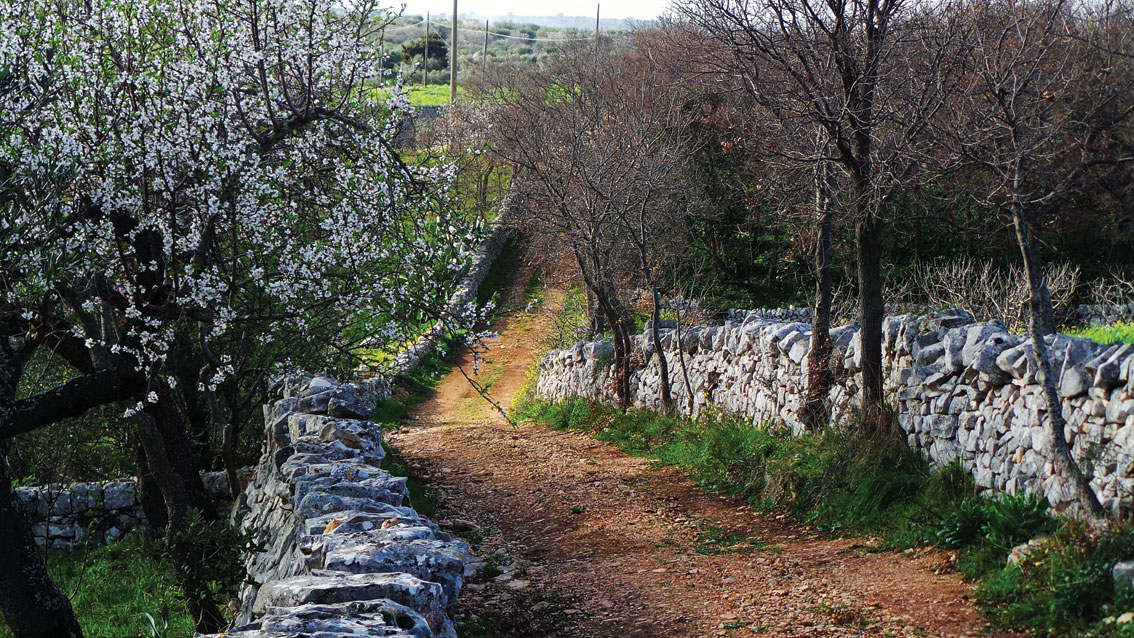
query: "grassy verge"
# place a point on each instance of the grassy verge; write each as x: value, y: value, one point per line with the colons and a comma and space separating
x: 840, y: 483
x: 1120, y: 332
x: 112, y: 588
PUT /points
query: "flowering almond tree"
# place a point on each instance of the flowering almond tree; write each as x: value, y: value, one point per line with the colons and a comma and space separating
x: 181, y: 179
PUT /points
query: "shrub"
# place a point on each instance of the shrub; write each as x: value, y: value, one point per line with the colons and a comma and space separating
x: 963, y: 525
x: 1063, y: 585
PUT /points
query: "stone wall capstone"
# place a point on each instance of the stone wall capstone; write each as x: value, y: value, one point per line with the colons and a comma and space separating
x: 962, y: 390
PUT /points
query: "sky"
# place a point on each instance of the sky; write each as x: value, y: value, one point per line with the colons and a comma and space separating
x: 638, y: 9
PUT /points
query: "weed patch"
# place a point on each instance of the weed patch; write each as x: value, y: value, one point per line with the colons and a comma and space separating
x: 717, y: 540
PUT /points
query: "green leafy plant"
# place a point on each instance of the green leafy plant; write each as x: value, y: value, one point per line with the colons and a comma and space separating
x: 1063, y: 585
x: 1017, y: 518
x: 216, y: 549
x: 963, y: 525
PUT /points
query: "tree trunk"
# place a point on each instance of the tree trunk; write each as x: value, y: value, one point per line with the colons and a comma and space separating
x: 623, y: 334
x: 228, y: 445
x: 30, y: 601
x: 1040, y: 325
x: 869, y: 240
x: 663, y: 365
x: 820, y: 377
x: 149, y: 494
x: 681, y: 362
x: 621, y: 354
x: 170, y: 461
x: 595, y: 315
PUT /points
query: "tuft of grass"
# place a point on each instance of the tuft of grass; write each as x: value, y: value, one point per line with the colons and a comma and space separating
x: 113, y: 587
x: 1121, y: 332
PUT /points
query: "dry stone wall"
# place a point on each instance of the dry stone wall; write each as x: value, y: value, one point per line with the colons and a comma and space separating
x: 1103, y: 314
x: 70, y: 516
x: 65, y: 517
x: 343, y: 551
x: 962, y: 390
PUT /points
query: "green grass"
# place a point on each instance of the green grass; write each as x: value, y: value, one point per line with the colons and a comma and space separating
x: 1120, y: 332
x: 411, y: 390
x: 432, y: 95
x: 112, y: 587
x: 1064, y: 587
x: 840, y: 483
x: 717, y: 540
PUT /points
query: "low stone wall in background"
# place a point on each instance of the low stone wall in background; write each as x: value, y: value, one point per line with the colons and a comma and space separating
x: 70, y: 516
x: 344, y: 552
x: 962, y: 390
x: 1077, y: 317
x: 1103, y: 314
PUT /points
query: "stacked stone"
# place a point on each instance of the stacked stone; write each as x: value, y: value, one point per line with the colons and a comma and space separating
x: 962, y: 390
x: 1103, y: 314
x: 770, y: 314
x: 344, y: 553
x: 69, y: 516
x: 65, y: 517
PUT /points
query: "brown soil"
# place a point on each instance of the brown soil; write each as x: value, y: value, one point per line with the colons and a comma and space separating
x: 593, y: 542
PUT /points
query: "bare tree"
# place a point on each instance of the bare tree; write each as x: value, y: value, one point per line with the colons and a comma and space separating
x: 1048, y: 81
x: 596, y: 139
x: 866, y: 75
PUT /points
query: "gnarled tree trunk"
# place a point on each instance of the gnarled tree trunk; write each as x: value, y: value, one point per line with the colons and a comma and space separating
x: 1041, y: 324
x: 30, y: 601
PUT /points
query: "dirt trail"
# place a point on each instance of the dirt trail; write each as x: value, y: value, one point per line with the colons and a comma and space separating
x: 592, y: 542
